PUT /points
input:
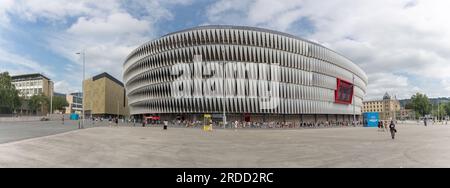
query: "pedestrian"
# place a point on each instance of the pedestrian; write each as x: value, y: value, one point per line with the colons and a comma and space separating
x: 165, y: 125
x: 117, y: 122
x: 392, y: 129
x: 63, y: 119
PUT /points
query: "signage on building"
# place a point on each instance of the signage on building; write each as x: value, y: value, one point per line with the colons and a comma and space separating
x: 371, y: 119
x: 344, y: 92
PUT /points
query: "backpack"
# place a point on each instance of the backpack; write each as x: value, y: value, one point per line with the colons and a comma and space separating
x: 392, y: 126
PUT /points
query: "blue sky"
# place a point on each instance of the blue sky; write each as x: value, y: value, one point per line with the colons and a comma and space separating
x: 402, y: 45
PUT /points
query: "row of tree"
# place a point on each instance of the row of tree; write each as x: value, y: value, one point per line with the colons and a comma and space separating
x: 9, y: 96
x: 10, y: 100
x: 422, y: 107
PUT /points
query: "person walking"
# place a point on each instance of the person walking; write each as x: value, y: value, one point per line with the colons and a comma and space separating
x: 392, y: 129
x: 166, y: 123
x: 63, y: 119
x: 117, y: 122
x: 386, y: 125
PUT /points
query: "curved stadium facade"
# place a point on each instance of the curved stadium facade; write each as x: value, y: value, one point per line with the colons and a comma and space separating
x: 250, y: 73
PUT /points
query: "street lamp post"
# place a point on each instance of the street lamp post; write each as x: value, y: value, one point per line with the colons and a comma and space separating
x: 51, y: 102
x: 82, y: 83
x: 353, y: 101
x: 438, y: 111
x: 224, y: 103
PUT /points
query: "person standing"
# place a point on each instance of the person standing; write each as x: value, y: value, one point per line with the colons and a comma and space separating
x: 386, y: 125
x: 392, y: 129
x: 166, y: 123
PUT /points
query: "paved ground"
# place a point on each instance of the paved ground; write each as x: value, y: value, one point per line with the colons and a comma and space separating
x: 415, y: 146
x: 14, y: 131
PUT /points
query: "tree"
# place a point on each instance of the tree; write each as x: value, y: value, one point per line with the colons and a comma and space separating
x: 447, y: 109
x: 421, y: 104
x: 59, y: 103
x: 441, y: 112
x: 409, y: 106
x: 37, y: 102
x: 9, y: 96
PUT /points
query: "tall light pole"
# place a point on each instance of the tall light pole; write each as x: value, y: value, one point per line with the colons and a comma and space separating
x: 51, y: 100
x: 224, y: 103
x: 395, y: 109
x: 82, y: 83
x: 353, y: 100
x: 438, y: 110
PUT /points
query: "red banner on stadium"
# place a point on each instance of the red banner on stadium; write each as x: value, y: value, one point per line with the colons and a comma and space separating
x: 344, y: 92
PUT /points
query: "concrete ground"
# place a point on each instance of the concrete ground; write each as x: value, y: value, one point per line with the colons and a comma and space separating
x: 14, y: 131
x: 415, y: 146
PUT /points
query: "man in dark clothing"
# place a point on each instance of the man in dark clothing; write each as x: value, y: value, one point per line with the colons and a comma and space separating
x: 392, y: 129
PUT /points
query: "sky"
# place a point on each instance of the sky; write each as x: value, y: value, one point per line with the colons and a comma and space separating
x: 402, y: 45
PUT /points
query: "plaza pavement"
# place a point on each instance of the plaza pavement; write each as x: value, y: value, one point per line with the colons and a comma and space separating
x: 415, y: 146
x: 20, y: 130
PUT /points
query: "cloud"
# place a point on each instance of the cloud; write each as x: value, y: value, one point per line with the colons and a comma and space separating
x: 63, y: 86
x: 21, y: 65
x: 106, y: 30
x: 116, y: 24
x: 106, y: 41
x: 61, y: 10
x: 380, y: 83
x: 264, y: 13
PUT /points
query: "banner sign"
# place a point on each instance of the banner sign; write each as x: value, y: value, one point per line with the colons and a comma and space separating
x: 344, y: 92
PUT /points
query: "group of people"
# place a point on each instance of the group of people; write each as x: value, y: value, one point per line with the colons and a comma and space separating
x: 384, y: 125
x: 434, y: 122
x: 271, y: 124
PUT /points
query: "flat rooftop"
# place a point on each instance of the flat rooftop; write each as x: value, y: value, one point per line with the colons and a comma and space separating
x: 33, y: 76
